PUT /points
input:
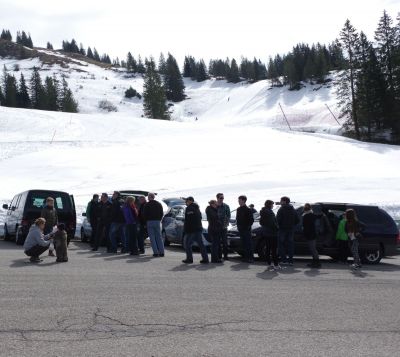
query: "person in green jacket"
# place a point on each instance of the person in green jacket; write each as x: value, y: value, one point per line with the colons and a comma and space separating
x: 342, y: 241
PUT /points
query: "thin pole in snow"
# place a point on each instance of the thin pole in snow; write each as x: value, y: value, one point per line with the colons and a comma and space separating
x: 284, y: 115
x: 51, y: 142
x: 337, y: 121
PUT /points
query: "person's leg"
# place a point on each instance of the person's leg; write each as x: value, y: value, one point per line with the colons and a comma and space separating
x: 97, y: 238
x: 133, y: 242
x: 282, y: 248
x: 290, y: 244
x: 93, y: 234
x: 198, y: 237
x: 188, y: 247
x: 268, y: 247
x: 151, y: 233
x: 354, y: 250
x: 249, y: 244
x: 158, y: 237
x: 36, y: 251
x: 113, y: 237
x: 224, y: 239
x: 343, y: 250
x: 215, y: 246
x: 274, y: 250
x: 141, y: 233
x: 312, y: 246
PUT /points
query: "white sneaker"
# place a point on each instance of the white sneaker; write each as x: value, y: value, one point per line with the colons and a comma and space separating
x: 277, y: 267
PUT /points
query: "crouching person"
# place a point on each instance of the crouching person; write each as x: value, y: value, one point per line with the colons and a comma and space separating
x: 36, y: 243
x: 60, y: 240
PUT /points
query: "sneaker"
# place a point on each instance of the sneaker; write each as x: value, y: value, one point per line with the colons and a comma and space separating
x: 141, y: 251
x: 156, y: 255
x: 355, y: 266
x: 203, y: 261
x: 51, y: 253
x: 162, y: 255
x: 35, y: 259
x: 187, y: 261
x: 134, y: 253
x: 277, y: 267
x: 270, y: 266
x: 285, y: 262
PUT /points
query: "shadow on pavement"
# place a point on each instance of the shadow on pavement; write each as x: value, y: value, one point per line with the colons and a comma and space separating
x: 20, y: 263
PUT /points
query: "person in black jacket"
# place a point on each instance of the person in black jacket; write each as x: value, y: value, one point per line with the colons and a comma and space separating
x: 153, y: 214
x: 117, y: 227
x: 269, y: 226
x: 288, y: 219
x: 214, y: 230
x: 193, y: 231
x: 244, y: 221
x: 91, y: 216
x: 102, y: 218
x: 310, y: 234
x: 142, y: 234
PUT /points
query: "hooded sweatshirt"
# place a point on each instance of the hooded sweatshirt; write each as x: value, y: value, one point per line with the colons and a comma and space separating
x: 35, y: 237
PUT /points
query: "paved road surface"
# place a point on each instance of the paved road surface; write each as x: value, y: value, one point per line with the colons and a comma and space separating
x: 118, y: 305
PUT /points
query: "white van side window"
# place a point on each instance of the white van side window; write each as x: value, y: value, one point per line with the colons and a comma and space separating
x: 59, y: 203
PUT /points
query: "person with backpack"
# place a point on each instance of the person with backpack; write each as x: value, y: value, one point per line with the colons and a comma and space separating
x: 269, y: 227
x: 353, y: 228
x: 288, y: 219
x: 310, y: 234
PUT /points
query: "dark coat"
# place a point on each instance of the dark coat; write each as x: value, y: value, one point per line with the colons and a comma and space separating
x: 309, y: 230
x: 214, y: 224
x: 117, y: 216
x: 50, y: 215
x: 268, y: 222
x: 103, y: 212
x: 92, y: 207
x: 153, y: 211
x: 287, y: 217
x: 142, y: 218
x: 244, y: 217
x: 192, y: 219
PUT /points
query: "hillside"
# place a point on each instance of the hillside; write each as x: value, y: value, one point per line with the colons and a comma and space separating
x: 238, y: 144
x: 211, y: 100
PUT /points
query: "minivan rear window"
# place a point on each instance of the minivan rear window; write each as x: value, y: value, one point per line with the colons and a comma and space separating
x: 37, y: 200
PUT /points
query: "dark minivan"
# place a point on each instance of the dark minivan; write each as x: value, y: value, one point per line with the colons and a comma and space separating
x: 380, y: 235
x: 26, y: 206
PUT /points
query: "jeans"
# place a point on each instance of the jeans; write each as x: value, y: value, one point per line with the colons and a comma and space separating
x: 141, y: 236
x: 154, y: 231
x: 36, y: 250
x: 115, y: 230
x: 286, y: 244
x: 190, y: 239
x: 245, y: 237
x: 312, y: 246
x: 131, y: 237
x: 215, y: 238
x: 224, y: 243
x: 354, y: 250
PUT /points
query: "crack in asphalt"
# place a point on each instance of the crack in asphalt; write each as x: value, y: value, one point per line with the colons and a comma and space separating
x: 100, y: 326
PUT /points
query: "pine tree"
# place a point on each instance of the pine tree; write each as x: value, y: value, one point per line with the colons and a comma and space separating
x: 37, y: 90
x: 140, y: 66
x: 233, y: 74
x: 201, y: 71
x: 187, y: 68
x: 162, y: 65
x: 49, y: 46
x: 51, y: 92
x: 23, y: 99
x: 89, y: 53
x: 2, y: 99
x: 6, y: 35
x: 346, y: 83
x: 154, y: 99
x: 82, y: 50
x: 321, y: 66
x: 68, y: 103
x: 96, y: 56
x: 173, y: 81
x: 10, y: 92
x: 290, y: 73
x: 272, y: 73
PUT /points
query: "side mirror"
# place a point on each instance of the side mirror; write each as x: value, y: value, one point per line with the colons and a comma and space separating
x: 5, y: 206
x: 84, y: 214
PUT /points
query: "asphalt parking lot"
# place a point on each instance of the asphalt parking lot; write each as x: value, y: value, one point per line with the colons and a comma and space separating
x: 99, y: 304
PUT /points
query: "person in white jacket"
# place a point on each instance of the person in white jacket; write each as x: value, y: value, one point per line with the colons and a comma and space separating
x: 36, y: 242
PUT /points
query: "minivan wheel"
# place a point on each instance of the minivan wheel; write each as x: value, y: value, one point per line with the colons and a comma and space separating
x: 19, y: 240
x: 372, y: 256
x: 165, y: 239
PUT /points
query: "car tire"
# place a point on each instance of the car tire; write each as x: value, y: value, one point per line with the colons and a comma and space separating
x: 165, y: 239
x: 6, y: 234
x: 261, y: 249
x: 19, y: 239
x: 372, y: 256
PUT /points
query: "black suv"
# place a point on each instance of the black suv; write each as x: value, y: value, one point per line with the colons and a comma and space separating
x: 26, y: 206
x: 380, y: 236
